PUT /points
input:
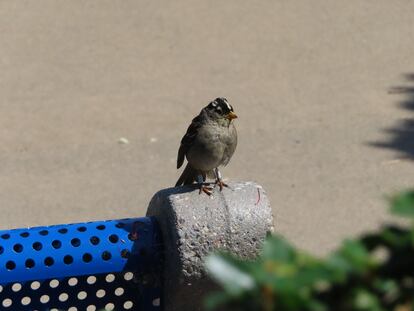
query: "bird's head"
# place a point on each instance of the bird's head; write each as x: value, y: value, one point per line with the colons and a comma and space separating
x: 220, y: 109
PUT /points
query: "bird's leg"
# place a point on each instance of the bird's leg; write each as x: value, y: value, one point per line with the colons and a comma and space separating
x: 203, y: 188
x: 219, y: 180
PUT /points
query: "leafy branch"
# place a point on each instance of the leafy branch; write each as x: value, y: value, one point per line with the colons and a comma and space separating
x: 372, y: 273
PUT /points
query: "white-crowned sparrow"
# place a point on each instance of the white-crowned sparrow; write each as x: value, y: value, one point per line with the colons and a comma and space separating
x: 210, y: 142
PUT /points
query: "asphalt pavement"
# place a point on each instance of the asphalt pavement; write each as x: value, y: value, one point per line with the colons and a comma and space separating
x: 95, y: 97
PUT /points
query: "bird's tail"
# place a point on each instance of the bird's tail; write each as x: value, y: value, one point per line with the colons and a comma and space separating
x: 188, y: 176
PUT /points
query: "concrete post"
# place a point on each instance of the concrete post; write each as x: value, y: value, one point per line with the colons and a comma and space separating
x: 193, y: 225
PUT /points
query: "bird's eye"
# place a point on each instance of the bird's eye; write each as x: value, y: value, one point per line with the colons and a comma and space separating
x: 219, y: 109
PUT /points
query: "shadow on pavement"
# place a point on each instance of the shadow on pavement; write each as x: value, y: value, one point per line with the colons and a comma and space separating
x: 401, y: 136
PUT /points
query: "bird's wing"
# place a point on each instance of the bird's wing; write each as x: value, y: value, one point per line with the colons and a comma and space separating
x: 188, y: 139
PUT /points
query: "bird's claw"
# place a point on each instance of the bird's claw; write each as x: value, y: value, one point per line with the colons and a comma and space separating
x: 207, y: 190
x: 221, y: 184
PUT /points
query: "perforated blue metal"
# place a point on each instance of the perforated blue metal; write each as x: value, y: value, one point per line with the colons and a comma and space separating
x: 105, y: 265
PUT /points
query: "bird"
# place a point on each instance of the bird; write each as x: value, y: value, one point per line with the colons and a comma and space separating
x: 210, y: 142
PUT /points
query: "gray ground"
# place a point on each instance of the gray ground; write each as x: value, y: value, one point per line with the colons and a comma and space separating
x: 310, y: 81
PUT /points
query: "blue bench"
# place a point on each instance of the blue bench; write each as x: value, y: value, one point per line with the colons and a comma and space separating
x: 103, y: 265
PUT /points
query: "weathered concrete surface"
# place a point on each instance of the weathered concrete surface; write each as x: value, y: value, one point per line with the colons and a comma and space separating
x: 309, y: 81
x: 193, y: 225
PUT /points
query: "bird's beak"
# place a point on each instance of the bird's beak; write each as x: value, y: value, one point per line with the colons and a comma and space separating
x: 231, y: 115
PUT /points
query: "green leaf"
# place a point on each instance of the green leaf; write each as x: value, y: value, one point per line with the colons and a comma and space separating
x: 313, y: 275
x: 396, y: 236
x: 339, y: 266
x: 215, y: 300
x: 278, y: 249
x: 314, y: 305
x: 226, y: 272
x: 387, y: 286
x: 365, y: 300
x: 356, y: 255
x: 403, y: 204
